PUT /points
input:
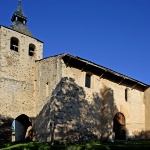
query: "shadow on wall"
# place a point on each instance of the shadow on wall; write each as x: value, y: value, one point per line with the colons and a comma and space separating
x: 69, y: 117
x: 139, y: 135
x: 5, y: 129
x: 107, y: 111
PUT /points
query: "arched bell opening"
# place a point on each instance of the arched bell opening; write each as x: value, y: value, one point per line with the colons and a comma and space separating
x: 22, y: 129
x: 119, y: 126
x: 14, y: 44
x: 31, y: 50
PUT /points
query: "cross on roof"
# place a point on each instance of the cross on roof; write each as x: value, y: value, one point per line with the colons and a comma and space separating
x: 19, y: 2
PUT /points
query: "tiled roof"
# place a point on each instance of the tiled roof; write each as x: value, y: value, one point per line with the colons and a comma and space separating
x: 20, y: 27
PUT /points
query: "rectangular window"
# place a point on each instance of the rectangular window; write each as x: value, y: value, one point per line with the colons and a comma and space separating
x: 88, y: 80
x: 126, y: 94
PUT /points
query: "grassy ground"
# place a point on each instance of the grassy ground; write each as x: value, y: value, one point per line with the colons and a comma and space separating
x: 134, y: 145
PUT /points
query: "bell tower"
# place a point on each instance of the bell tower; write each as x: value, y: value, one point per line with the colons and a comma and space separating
x: 18, y: 52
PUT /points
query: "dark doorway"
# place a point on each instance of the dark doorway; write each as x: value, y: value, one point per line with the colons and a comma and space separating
x: 20, y: 127
x: 119, y: 126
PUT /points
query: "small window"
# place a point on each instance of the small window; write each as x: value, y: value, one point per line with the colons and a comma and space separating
x: 47, y: 89
x: 88, y: 80
x: 21, y: 20
x: 31, y: 49
x: 14, y: 44
x: 126, y: 94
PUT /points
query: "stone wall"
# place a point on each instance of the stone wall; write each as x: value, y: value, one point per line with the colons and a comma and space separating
x: 69, y: 117
x: 5, y: 129
x: 16, y: 98
x: 17, y: 74
x: 0, y: 49
x: 133, y: 109
x: 147, y: 113
x: 48, y: 75
x: 67, y: 111
x: 18, y: 65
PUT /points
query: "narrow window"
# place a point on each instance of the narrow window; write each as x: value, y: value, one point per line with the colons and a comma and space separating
x: 126, y: 94
x: 88, y: 80
x: 47, y: 89
x: 14, y: 44
x: 31, y: 49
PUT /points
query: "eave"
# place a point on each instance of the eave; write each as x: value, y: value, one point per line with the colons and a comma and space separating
x: 103, y: 72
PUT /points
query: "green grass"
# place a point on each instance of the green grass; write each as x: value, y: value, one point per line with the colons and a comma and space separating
x: 133, y: 145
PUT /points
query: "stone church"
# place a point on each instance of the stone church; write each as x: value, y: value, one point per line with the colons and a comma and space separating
x: 64, y: 98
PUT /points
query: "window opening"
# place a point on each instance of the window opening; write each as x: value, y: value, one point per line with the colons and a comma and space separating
x: 126, y: 94
x: 47, y: 89
x: 31, y: 49
x: 88, y: 81
x: 21, y: 20
x: 14, y: 44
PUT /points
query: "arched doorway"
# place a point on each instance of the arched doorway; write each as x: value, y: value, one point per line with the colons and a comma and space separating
x: 119, y: 126
x: 21, y: 127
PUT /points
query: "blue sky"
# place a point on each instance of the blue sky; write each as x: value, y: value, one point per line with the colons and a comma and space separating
x: 111, y: 33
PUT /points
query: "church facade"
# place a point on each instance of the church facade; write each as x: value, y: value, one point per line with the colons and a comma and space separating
x: 64, y: 98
